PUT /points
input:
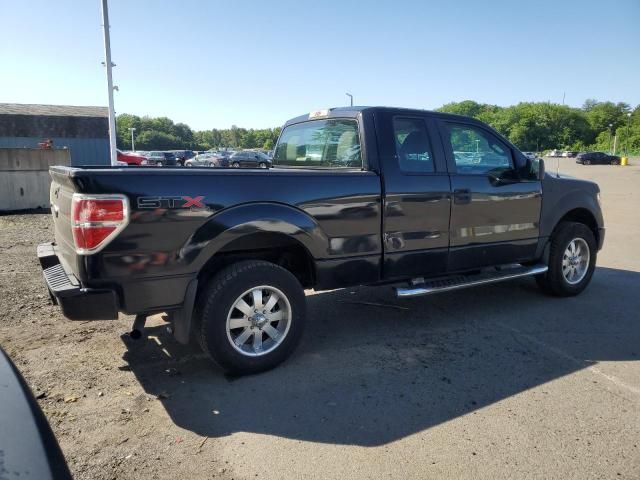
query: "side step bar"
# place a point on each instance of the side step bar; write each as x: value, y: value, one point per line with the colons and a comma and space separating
x: 455, y: 282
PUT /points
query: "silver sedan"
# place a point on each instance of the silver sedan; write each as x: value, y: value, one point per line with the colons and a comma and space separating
x: 203, y: 160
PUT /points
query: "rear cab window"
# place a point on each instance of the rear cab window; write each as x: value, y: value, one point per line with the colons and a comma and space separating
x: 413, y: 147
x: 328, y: 143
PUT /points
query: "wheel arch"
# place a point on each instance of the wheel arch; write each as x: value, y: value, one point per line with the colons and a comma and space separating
x: 274, y: 232
x: 581, y: 215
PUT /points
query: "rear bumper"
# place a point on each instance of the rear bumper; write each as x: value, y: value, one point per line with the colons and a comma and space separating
x: 76, y: 302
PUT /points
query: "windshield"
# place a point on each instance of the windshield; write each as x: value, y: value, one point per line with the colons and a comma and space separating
x: 331, y: 143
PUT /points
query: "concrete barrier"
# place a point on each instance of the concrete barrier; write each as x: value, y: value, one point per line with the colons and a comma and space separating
x: 24, y: 176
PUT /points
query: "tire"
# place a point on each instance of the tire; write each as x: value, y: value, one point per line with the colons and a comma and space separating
x: 235, y: 165
x: 586, y: 162
x: 262, y: 165
x: 216, y: 307
x: 189, y: 164
x: 158, y: 163
x: 555, y: 281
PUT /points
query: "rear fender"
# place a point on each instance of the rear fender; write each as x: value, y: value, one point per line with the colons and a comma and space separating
x: 247, y: 219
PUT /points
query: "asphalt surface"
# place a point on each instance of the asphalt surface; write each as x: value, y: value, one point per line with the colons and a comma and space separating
x: 494, y: 382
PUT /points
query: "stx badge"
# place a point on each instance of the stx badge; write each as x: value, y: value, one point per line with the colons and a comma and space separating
x: 172, y: 202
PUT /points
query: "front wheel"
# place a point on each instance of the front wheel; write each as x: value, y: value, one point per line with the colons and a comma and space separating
x: 252, y: 315
x: 158, y: 163
x: 587, y: 162
x: 262, y: 165
x: 235, y: 165
x: 615, y: 162
x: 572, y: 260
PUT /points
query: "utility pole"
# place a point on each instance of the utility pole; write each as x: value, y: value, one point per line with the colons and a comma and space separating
x: 350, y: 98
x: 133, y: 144
x: 628, y: 137
x: 615, y: 143
x: 108, y: 64
x: 610, y: 126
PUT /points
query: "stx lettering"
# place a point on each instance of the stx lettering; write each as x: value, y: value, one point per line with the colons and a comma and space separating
x: 171, y: 202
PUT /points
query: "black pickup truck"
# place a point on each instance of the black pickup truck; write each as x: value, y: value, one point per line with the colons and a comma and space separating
x: 422, y: 201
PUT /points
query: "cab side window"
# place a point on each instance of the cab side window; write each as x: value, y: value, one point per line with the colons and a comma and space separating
x: 412, y: 145
x: 477, y: 152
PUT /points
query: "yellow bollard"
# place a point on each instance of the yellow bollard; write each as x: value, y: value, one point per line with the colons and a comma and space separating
x: 624, y: 161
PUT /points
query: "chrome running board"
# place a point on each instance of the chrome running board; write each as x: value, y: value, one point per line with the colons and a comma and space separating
x: 446, y: 284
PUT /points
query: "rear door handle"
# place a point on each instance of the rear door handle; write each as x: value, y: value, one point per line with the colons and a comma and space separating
x: 462, y: 196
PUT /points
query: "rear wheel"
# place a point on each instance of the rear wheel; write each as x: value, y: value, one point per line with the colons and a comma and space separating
x: 235, y: 165
x: 572, y: 260
x: 587, y: 162
x: 252, y: 315
x: 262, y: 165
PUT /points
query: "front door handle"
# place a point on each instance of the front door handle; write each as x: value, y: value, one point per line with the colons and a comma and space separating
x: 462, y: 196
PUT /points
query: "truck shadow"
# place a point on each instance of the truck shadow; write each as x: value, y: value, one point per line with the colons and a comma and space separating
x: 372, y: 369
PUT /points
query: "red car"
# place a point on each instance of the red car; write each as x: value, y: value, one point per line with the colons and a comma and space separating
x: 131, y: 158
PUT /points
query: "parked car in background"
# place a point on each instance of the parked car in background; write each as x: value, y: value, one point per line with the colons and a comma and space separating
x: 160, y: 159
x: 569, y: 154
x: 249, y: 159
x: 530, y: 155
x: 207, y: 159
x: 602, y: 158
x: 554, y: 153
x: 131, y: 158
x: 183, y: 155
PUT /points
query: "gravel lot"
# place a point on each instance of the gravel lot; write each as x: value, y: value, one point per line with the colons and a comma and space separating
x: 494, y: 382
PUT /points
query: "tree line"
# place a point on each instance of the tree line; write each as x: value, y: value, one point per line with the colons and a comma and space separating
x: 161, y: 133
x: 544, y: 126
x: 531, y: 126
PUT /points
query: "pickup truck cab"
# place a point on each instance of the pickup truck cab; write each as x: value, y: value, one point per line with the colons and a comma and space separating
x: 422, y: 201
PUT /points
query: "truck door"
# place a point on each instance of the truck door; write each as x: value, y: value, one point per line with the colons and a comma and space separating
x: 495, y: 212
x: 417, y: 196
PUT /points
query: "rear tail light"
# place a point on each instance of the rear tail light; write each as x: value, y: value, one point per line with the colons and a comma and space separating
x: 96, y: 220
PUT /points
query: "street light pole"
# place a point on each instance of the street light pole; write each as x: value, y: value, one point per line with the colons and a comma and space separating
x: 628, y: 137
x: 610, y: 126
x: 350, y: 98
x: 107, y: 63
x: 133, y: 144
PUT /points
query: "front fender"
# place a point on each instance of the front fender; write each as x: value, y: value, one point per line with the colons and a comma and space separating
x: 266, y: 217
x: 560, y: 196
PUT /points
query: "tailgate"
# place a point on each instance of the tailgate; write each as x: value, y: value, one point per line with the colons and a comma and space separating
x: 62, y: 190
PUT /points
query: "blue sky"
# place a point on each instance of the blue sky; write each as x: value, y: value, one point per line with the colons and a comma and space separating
x: 258, y: 63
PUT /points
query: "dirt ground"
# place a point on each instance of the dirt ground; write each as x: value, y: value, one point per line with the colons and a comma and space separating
x: 494, y: 382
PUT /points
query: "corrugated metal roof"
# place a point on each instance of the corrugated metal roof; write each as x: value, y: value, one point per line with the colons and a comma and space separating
x: 52, y: 110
